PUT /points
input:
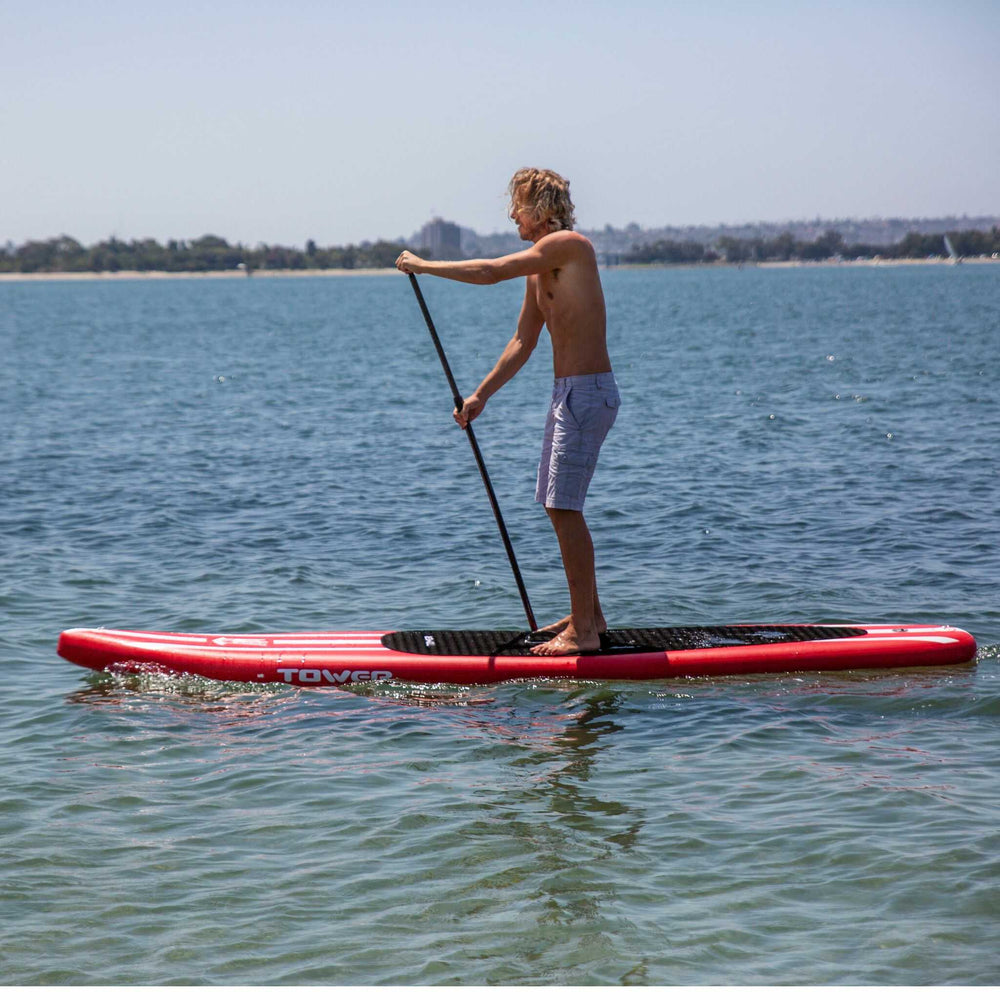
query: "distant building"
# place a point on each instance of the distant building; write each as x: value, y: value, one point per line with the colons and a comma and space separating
x: 443, y: 239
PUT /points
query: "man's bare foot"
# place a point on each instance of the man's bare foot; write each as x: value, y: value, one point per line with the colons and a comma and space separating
x: 568, y: 643
x: 556, y: 627
x: 563, y: 623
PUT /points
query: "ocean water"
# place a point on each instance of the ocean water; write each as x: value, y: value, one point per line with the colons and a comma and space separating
x: 812, y: 444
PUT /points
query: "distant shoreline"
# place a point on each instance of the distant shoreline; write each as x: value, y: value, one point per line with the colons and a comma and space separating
x: 880, y: 262
x: 786, y: 264
x: 165, y: 275
x: 368, y: 272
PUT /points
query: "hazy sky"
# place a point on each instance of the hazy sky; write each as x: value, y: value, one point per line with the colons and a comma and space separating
x: 281, y: 122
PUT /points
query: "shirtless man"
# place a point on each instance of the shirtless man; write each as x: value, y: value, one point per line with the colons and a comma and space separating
x: 563, y: 292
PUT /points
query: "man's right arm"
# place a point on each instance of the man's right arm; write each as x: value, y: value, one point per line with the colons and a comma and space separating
x: 515, y: 354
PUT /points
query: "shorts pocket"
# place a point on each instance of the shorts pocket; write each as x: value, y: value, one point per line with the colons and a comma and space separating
x: 567, y: 408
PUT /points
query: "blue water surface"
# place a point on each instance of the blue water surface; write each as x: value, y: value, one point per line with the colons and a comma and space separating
x: 802, y: 444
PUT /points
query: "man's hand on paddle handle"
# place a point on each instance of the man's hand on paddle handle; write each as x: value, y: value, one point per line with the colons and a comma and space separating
x: 471, y: 409
x: 409, y: 263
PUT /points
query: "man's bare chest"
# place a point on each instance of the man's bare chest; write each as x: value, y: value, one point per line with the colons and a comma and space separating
x: 548, y: 292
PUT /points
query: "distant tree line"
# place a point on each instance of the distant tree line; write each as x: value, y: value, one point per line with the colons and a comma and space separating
x: 208, y: 253
x: 785, y: 247
x: 212, y: 253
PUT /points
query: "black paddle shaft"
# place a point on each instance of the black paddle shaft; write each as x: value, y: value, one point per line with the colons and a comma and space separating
x: 459, y: 403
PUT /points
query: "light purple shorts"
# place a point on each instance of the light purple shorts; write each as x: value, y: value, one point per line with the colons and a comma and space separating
x: 583, y: 410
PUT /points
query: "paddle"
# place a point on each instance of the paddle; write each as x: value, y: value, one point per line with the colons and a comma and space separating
x: 459, y: 402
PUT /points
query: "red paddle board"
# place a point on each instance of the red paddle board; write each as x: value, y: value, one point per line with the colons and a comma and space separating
x: 316, y: 659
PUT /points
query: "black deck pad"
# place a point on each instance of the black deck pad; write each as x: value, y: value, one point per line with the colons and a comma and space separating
x: 443, y: 642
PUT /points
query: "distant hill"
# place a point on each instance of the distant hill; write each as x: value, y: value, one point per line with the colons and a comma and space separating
x: 611, y: 241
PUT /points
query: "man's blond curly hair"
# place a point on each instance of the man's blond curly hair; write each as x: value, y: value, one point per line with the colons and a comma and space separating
x: 544, y: 193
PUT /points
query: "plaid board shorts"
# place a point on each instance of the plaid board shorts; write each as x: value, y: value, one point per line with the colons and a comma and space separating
x: 582, y: 411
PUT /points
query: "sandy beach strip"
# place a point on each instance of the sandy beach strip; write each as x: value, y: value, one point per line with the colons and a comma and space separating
x: 167, y: 275
x: 875, y: 262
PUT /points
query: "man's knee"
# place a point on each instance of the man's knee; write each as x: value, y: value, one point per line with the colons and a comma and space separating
x: 568, y: 524
x: 564, y: 515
